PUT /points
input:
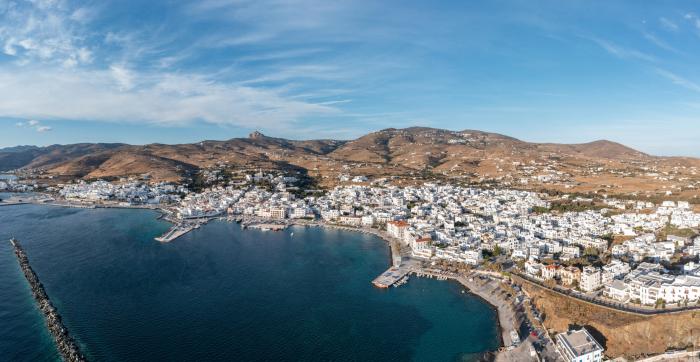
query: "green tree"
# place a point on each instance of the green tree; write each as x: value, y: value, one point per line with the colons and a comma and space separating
x: 497, y: 250
x: 590, y: 251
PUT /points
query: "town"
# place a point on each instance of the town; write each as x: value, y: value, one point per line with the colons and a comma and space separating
x: 630, y: 252
x: 625, y: 254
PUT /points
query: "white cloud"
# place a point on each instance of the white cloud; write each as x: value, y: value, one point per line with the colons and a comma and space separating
x: 47, y: 31
x: 694, y: 20
x: 159, y: 98
x: 35, y: 125
x: 660, y: 43
x: 122, y: 76
x: 678, y: 80
x: 622, y: 52
x: 668, y: 24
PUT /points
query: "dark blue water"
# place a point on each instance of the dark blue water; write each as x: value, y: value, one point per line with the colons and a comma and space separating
x: 222, y: 293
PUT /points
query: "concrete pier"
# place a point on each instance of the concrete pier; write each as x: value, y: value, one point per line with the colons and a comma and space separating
x: 65, y: 344
x: 392, y: 276
x: 273, y: 227
x: 174, y: 232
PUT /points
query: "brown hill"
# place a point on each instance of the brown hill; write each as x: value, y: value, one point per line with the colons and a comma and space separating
x: 598, y: 149
x: 415, y: 152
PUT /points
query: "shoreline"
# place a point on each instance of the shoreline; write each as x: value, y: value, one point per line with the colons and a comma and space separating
x: 504, y: 314
x: 395, y: 255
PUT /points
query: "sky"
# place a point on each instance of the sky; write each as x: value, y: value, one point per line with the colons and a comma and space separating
x: 180, y: 71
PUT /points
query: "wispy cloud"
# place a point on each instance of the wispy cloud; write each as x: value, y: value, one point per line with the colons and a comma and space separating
x: 678, y: 80
x: 622, y: 52
x: 668, y: 24
x: 46, y: 31
x: 660, y: 43
x: 693, y: 19
x: 158, y: 98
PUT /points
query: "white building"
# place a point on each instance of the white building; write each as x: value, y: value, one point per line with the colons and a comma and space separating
x: 579, y: 346
x: 396, y: 228
x: 590, y: 279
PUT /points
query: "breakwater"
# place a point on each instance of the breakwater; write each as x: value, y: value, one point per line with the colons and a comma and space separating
x: 65, y: 344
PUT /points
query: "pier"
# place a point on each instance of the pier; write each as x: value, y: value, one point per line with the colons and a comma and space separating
x: 175, y: 232
x: 65, y: 344
x: 396, y: 275
x: 273, y: 227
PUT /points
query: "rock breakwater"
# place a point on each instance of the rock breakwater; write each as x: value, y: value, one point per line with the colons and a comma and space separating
x: 65, y: 344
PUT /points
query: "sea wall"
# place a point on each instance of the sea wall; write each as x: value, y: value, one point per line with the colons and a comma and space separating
x: 64, y: 342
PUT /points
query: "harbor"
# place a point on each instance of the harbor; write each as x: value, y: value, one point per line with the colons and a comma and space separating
x: 66, y: 345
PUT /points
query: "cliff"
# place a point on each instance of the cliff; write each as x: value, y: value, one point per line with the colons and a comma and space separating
x: 622, y: 334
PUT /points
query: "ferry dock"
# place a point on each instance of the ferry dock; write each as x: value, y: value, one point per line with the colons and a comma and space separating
x: 66, y: 345
x: 175, y: 232
x: 265, y: 227
x: 394, y: 276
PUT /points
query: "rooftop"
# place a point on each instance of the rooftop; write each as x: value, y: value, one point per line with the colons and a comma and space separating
x: 579, y: 343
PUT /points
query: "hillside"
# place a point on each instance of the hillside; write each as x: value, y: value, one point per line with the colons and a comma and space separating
x: 412, y: 153
x: 622, y: 334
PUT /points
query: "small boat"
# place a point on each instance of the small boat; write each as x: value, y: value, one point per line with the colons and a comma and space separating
x: 292, y: 234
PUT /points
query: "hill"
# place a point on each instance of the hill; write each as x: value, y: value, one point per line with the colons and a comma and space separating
x: 414, y: 153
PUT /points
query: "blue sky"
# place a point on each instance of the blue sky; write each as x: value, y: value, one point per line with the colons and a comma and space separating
x: 179, y: 71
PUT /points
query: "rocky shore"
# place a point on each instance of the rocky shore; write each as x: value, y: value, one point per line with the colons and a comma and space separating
x: 65, y: 344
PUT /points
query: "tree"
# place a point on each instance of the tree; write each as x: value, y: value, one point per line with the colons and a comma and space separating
x: 590, y: 251
x: 497, y: 250
x: 660, y: 303
x: 574, y: 284
x: 540, y: 210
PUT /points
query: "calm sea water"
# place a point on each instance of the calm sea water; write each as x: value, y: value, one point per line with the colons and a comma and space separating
x: 222, y: 293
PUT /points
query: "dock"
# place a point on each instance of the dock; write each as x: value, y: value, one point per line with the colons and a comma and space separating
x: 175, y: 232
x: 395, y: 275
x: 273, y: 227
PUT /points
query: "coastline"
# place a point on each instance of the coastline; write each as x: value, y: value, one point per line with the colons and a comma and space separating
x: 395, y: 256
x: 506, y: 316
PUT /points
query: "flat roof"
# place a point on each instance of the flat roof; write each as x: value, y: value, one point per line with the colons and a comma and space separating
x: 579, y: 342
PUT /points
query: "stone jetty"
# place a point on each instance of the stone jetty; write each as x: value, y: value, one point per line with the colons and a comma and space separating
x: 65, y: 344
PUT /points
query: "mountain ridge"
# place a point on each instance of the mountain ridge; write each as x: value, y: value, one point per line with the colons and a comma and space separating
x: 412, y: 152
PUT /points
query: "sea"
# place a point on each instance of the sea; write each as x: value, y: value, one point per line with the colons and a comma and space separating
x: 223, y: 293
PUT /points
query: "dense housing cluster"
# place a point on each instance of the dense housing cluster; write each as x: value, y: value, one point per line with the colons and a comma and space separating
x: 653, y: 263
x: 130, y: 193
